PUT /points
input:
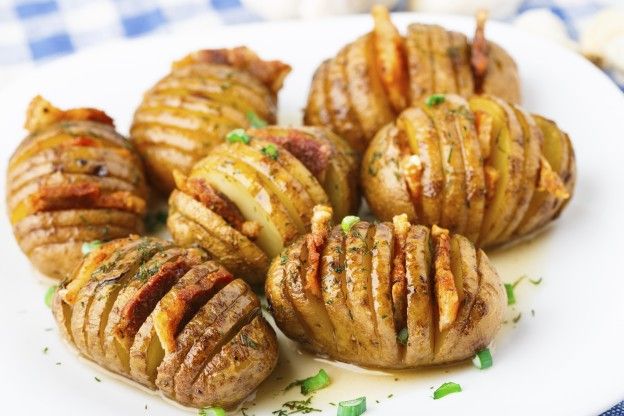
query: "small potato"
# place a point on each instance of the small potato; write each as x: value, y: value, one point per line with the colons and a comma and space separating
x: 451, y: 306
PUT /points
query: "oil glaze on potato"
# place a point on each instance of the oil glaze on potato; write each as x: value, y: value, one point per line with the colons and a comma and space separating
x: 244, y: 202
x: 206, y: 94
x: 481, y: 167
x: 74, y: 179
x: 386, y: 295
x: 371, y: 80
x: 169, y: 319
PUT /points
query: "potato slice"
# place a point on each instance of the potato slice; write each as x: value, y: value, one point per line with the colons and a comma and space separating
x: 365, y: 90
x: 420, y: 294
x: 190, y: 222
x: 507, y: 160
x: 502, y: 79
x: 443, y: 70
x: 316, y: 112
x: 420, y: 63
x: 459, y: 53
x: 446, y: 293
x: 255, y: 199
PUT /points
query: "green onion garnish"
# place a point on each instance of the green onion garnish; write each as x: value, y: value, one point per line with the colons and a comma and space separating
x: 483, y: 359
x: 90, y: 246
x: 270, y: 151
x: 434, y: 100
x: 211, y: 411
x: 238, y: 135
x: 403, y: 336
x: 348, y: 222
x: 446, y: 389
x: 353, y: 407
x: 314, y: 383
x: 49, y: 295
x: 255, y: 120
x: 511, y: 298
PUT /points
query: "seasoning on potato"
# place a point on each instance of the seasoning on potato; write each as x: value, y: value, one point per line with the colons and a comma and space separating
x: 168, y: 318
x: 371, y: 80
x: 207, y: 94
x: 388, y: 295
x: 72, y: 181
x: 480, y: 167
x: 254, y: 194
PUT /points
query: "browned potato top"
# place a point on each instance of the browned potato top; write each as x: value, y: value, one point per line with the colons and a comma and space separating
x: 206, y: 94
x: 254, y: 194
x: 386, y: 295
x: 169, y: 319
x: 74, y: 179
x: 373, y: 79
x: 481, y: 167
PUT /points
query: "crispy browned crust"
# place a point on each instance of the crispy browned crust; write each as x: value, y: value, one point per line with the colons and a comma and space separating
x: 132, y: 298
x: 72, y: 180
x: 368, y: 273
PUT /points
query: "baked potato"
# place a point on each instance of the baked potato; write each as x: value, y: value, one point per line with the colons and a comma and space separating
x: 167, y: 318
x: 370, y: 81
x: 254, y: 194
x: 480, y: 167
x: 206, y: 94
x: 72, y: 180
x: 388, y: 295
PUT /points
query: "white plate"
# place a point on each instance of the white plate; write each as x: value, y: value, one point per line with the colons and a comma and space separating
x: 566, y: 359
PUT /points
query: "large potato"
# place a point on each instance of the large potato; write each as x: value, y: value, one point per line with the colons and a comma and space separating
x: 72, y: 180
x: 386, y: 295
x: 371, y: 80
x: 169, y: 319
x: 254, y: 194
x: 481, y: 167
x: 206, y: 94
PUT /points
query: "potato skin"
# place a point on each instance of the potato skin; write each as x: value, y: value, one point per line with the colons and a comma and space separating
x: 371, y: 80
x: 348, y: 323
x: 241, y: 187
x: 74, y: 179
x: 517, y: 170
x: 157, y: 313
x: 207, y: 94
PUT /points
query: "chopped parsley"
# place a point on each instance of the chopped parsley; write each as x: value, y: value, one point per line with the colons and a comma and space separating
x: 238, y: 135
x: 270, y: 151
x: 249, y: 342
x: 88, y: 247
x: 403, y: 336
x: 434, y: 99
x: 49, y: 295
x: 296, y: 406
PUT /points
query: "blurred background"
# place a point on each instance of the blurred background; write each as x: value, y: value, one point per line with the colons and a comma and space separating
x: 33, y: 32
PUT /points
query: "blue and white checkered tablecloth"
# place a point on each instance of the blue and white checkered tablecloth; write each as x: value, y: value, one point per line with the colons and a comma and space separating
x: 33, y: 32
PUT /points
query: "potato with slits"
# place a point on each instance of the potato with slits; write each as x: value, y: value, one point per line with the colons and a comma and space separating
x: 481, y: 167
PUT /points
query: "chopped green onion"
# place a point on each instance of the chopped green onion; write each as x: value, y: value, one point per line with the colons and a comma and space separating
x: 211, y: 411
x: 90, y: 246
x: 270, y: 151
x: 434, y: 100
x: 483, y: 359
x: 446, y: 389
x: 255, y: 120
x: 403, y: 336
x: 314, y: 383
x: 238, y: 135
x: 348, y: 222
x: 511, y: 298
x: 49, y: 295
x: 353, y: 407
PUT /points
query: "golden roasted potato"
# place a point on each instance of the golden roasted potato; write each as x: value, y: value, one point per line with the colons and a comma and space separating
x: 206, y: 94
x: 72, y: 180
x: 169, y: 319
x: 371, y: 80
x: 253, y: 195
x: 387, y: 295
x: 481, y: 167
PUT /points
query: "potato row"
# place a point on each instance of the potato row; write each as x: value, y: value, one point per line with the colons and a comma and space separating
x: 427, y: 125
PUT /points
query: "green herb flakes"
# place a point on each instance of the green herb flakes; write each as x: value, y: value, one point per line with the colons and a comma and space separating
x: 49, y: 295
x: 348, y: 222
x: 238, y: 135
x: 255, y: 120
x: 270, y: 151
x: 434, y: 100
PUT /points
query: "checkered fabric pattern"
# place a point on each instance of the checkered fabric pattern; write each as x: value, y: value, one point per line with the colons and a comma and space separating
x: 35, y: 31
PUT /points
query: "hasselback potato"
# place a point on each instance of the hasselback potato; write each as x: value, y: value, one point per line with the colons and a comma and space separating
x: 206, y: 94
x: 169, y: 319
x: 377, y: 76
x: 481, y: 167
x: 254, y: 194
x: 72, y: 180
x: 386, y: 295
